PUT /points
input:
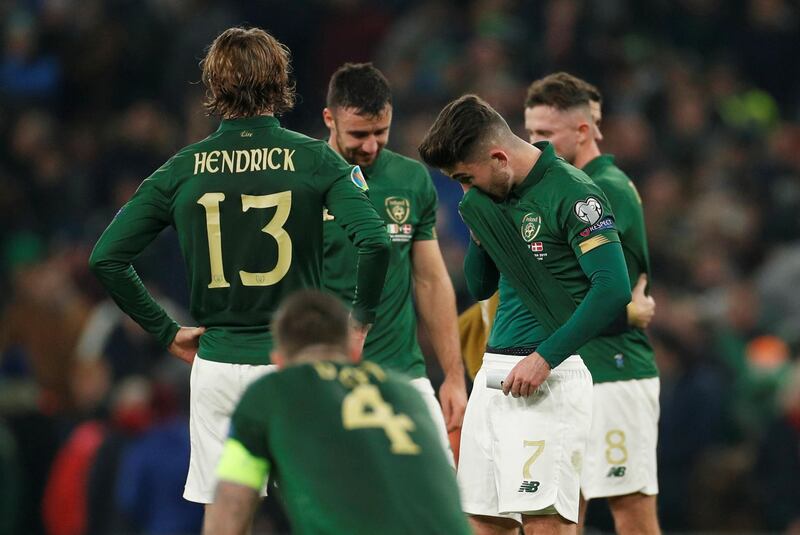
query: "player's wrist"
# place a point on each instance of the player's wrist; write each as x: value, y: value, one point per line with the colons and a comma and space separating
x: 357, y: 325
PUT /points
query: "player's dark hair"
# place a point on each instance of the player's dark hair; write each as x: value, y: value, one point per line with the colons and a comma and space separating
x: 310, y: 318
x: 246, y: 73
x: 359, y: 86
x: 562, y: 91
x: 460, y: 127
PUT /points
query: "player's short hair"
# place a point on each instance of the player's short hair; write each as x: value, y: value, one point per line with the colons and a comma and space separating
x: 359, y: 86
x: 310, y: 318
x: 460, y: 127
x: 594, y: 94
x: 246, y: 73
x: 562, y: 91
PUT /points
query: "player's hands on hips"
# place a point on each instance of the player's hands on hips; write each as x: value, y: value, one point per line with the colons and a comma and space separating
x: 642, y: 307
x: 453, y: 397
x: 186, y: 342
x: 526, y: 376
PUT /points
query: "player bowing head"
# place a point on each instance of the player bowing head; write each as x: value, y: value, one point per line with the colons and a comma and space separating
x: 358, y: 112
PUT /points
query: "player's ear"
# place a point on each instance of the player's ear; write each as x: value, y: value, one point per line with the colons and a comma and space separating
x: 278, y: 358
x: 586, y: 132
x: 327, y: 116
x: 499, y: 158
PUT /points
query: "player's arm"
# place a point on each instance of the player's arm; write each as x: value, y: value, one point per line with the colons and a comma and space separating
x: 480, y: 272
x: 242, y: 470
x: 232, y: 513
x: 355, y: 213
x: 133, y: 228
x: 436, y: 303
x: 609, y: 292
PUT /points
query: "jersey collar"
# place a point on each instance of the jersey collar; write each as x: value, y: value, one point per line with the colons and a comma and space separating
x: 546, y: 159
x: 599, y: 163
x: 248, y: 122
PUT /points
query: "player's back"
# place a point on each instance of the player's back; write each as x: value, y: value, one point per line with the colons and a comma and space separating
x: 354, y: 451
x: 246, y: 202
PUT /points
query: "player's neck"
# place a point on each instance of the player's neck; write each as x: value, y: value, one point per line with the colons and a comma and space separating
x: 525, y: 156
x: 586, y: 154
x: 265, y: 113
x: 317, y: 353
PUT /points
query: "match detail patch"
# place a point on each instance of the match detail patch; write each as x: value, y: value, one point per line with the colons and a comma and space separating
x: 589, y: 211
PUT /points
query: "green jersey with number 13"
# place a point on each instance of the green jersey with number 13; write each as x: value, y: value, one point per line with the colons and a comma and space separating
x: 245, y: 203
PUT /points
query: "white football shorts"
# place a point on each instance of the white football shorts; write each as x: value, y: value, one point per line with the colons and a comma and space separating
x: 523, y: 456
x: 216, y: 388
x: 621, y: 451
x: 424, y: 387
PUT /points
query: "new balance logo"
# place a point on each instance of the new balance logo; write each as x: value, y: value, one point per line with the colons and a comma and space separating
x: 529, y: 486
x: 616, y: 471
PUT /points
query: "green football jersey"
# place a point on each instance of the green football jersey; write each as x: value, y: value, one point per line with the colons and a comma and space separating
x: 403, y: 194
x: 628, y: 355
x: 245, y: 203
x: 552, y: 209
x: 352, y: 448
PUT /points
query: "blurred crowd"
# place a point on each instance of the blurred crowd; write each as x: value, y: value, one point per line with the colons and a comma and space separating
x: 701, y: 107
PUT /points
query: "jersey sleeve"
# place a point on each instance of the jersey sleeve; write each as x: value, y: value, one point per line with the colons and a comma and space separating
x: 347, y: 202
x: 132, y: 229
x: 629, y: 219
x: 426, y: 229
x: 245, y: 454
x: 586, y: 217
x: 608, y: 293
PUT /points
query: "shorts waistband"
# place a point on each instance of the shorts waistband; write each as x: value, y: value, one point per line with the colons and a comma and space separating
x: 573, y: 362
x: 520, y: 351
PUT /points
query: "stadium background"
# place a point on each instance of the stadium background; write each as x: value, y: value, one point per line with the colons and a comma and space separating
x: 701, y: 108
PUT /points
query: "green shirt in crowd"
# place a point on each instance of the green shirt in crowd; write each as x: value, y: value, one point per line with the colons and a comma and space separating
x: 562, y: 216
x: 353, y: 450
x: 628, y: 355
x: 403, y: 194
x: 245, y: 203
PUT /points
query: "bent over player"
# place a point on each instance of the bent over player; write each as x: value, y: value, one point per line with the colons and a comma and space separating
x: 352, y: 448
x: 620, y: 461
x: 521, y: 455
x: 245, y: 202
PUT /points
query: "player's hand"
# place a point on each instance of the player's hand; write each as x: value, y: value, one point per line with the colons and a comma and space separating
x: 642, y: 307
x: 186, y: 342
x: 526, y: 376
x: 453, y: 397
x: 358, y: 335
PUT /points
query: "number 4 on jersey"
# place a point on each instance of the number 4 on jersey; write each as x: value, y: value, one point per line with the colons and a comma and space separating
x: 365, y: 408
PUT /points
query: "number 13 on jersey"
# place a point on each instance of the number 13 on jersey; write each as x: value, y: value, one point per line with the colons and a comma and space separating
x: 283, y: 201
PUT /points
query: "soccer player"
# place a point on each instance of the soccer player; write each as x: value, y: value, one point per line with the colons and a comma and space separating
x: 245, y: 202
x: 527, y: 209
x: 352, y: 448
x: 359, y: 116
x: 620, y: 461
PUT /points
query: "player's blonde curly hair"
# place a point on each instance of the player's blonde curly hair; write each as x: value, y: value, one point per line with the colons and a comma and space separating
x: 246, y: 73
